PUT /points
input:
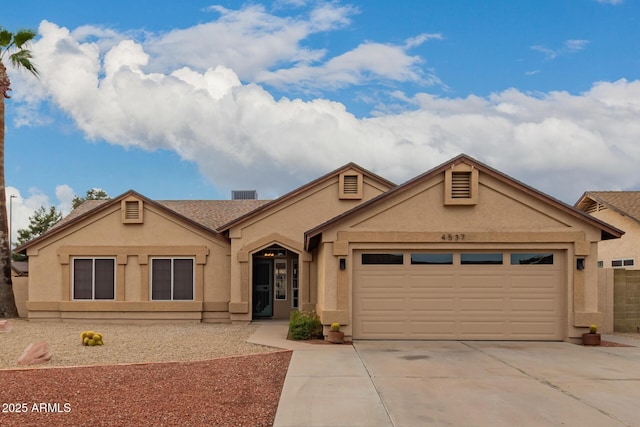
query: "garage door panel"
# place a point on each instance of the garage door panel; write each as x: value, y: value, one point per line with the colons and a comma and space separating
x: 382, y: 280
x: 384, y: 303
x: 481, y: 281
x: 432, y: 304
x: 476, y: 304
x: 444, y: 282
x: 484, y: 302
x: 534, y: 305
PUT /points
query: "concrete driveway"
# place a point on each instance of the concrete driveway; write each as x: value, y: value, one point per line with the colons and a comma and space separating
x: 462, y: 383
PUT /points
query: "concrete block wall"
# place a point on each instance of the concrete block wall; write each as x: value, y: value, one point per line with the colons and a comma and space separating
x: 626, y: 301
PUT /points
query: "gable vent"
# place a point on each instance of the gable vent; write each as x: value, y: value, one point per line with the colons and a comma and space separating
x: 594, y: 206
x: 244, y: 195
x: 461, y: 185
x: 350, y: 185
x: 132, y: 210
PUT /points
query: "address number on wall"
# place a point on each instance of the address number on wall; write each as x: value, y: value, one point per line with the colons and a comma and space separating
x: 451, y: 237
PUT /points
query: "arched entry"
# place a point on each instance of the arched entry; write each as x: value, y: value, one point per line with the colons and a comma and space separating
x: 275, y: 282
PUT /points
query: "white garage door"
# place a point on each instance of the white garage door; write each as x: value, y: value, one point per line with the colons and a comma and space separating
x: 498, y: 295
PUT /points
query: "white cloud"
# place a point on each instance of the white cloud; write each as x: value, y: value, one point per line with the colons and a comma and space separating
x: 241, y: 137
x: 569, y: 46
x: 65, y: 195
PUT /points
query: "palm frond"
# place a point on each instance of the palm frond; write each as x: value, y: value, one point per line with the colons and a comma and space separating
x: 23, y: 36
x: 22, y: 59
x: 5, y: 38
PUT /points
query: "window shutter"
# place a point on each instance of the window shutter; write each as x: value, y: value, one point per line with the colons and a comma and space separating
x: 461, y: 185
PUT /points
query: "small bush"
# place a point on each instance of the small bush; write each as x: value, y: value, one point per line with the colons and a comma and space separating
x: 304, y: 325
x: 593, y: 329
x: 335, y: 327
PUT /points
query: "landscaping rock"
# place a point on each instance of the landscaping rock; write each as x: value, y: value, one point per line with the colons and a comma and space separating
x: 5, y: 326
x: 35, y: 353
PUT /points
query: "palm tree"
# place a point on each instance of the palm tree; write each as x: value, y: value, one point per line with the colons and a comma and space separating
x: 13, y: 48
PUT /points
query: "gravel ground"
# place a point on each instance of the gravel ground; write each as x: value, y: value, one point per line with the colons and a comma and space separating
x: 209, y: 375
x: 128, y: 343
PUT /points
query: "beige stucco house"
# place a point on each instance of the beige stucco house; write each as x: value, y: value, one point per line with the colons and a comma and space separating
x: 621, y: 209
x: 460, y: 252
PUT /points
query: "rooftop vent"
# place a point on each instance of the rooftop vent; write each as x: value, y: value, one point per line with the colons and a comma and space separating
x: 244, y: 195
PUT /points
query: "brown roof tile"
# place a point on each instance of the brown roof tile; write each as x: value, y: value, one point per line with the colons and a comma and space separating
x: 212, y: 213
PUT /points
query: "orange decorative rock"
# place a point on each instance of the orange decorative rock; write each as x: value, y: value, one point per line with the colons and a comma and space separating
x: 35, y: 353
x: 5, y: 326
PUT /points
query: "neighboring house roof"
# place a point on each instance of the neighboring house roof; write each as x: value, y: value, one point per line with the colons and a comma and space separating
x: 626, y: 203
x: 21, y: 268
x: 206, y: 214
x: 608, y: 232
x: 279, y: 201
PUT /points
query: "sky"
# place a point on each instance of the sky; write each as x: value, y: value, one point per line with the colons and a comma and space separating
x: 191, y: 100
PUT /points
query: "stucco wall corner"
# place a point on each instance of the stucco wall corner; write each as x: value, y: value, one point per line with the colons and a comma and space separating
x: 238, y: 307
x: 582, y: 248
x: 585, y: 319
x: 328, y: 317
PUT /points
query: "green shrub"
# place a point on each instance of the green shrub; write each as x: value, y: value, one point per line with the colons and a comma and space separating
x: 335, y: 327
x: 593, y: 329
x: 304, y: 325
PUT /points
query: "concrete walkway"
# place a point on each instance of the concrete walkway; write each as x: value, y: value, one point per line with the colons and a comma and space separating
x: 326, y: 384
x: 456, y: 383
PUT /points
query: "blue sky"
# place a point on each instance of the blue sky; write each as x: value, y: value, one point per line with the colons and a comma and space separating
x: 189, y: 100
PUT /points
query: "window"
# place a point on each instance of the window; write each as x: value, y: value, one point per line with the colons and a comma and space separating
x: 94, y: 278
x: 618, y: 263
x: 480, y: 258
x: 432, y: 259
x: 382, y: 259
x: 172, y: 279
x: 294, y: 284
x: 280, y: 284
x: 600, y: 264
x: 531, y: 258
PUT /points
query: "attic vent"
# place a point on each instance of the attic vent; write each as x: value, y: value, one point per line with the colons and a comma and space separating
x: 350, y: 185
x: 594, y: 206
x: 461, y: 185
x: 131, y: 210
x: 244, y: 195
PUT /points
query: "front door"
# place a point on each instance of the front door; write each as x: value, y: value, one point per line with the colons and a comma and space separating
x: 262, y: 287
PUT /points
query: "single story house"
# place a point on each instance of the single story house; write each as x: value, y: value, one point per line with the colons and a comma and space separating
x: 462, y: 251
x: 622, y: 210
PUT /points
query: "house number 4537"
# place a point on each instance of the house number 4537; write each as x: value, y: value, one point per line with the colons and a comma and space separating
x: 452, y: 237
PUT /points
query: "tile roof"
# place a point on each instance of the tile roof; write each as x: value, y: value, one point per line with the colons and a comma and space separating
x: 209, y: 213
x: 624, y: 202
x: 212, y: 213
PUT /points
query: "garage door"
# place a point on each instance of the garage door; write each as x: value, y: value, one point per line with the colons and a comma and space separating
x: 499, y: 295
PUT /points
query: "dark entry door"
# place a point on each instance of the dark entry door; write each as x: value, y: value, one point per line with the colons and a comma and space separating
x: 262, y: 288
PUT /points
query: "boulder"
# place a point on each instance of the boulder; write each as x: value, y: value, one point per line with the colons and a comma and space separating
x: 5, y: 326
x: 35, y: 353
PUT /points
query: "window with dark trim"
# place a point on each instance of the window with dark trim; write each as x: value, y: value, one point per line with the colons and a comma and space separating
x: 432, y: 259
x: 626, y: 262
x: 172, y: 279
x: 531, y: 258
x: 480, y: 258
x: 383, y: 259
x: 94, y: 278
